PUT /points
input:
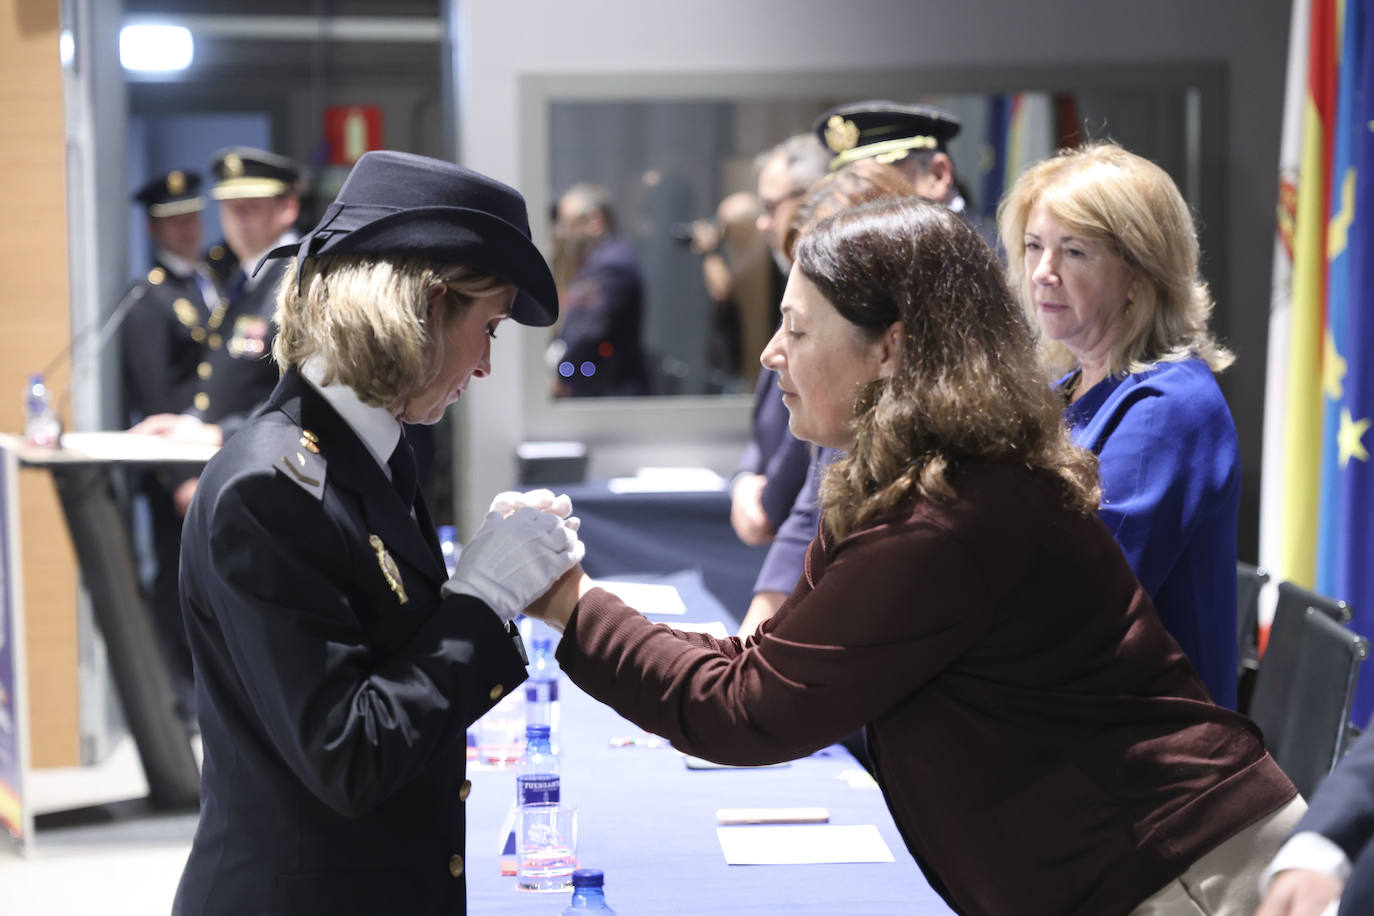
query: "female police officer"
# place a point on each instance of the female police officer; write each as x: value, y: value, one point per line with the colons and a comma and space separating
x: 336, y: 668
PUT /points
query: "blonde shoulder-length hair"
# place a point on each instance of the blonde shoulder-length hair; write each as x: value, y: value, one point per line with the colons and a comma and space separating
x: 365, y: 318
x: 1103, y: 192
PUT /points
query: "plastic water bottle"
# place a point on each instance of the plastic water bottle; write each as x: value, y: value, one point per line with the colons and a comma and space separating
x: 541, y: 690
x: 448, y: 544
x: 40, y: 423
x: 588, y: 893
x: 536, y: 772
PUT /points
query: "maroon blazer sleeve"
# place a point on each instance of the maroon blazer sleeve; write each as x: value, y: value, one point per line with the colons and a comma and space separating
x: 895, y: 604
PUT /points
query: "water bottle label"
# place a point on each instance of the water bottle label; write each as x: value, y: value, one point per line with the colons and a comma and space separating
x: 541, y: 691
x: 536, y: 790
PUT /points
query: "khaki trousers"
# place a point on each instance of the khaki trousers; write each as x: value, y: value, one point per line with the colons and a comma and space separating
x: 1225, y: 881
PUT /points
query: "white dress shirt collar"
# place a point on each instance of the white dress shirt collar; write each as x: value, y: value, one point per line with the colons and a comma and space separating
x: 378, y: 429
x: 178, y: 265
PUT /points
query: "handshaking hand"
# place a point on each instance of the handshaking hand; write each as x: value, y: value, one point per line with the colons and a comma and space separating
x: 513, y: 559
x: 509, y: 501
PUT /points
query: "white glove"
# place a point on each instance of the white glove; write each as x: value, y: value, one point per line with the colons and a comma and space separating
x: 513, y: 560
x: 508, y: 501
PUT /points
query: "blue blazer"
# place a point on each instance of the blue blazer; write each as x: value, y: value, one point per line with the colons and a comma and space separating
x: 334, y: 684
x: 1170, y: 466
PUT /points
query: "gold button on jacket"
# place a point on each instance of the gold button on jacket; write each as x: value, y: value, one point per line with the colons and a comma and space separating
x: 496, y: 692
x: 465, y: 790
x: 455, y: 865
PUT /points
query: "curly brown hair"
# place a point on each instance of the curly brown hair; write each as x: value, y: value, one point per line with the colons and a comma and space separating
x: 969, y: 388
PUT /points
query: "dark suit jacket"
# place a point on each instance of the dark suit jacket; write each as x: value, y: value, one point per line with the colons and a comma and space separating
x: 1041, y: 741
x: 603, y: 317
x: 775, y: 453
x: 1342, y: 810
x: 786, y: 558
x: 333, y: 711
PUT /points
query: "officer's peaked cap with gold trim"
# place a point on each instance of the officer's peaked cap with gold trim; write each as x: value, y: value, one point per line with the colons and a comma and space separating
x: 241, y: 172
x: 171, y: 194
x: 883, y: 130
x: 406, y: 205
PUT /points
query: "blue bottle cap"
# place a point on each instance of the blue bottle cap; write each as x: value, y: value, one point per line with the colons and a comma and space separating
x: 535, y: 732
x: 588, y: 877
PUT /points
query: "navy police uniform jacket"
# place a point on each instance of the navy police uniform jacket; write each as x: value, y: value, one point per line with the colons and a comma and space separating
x: 239, y: 372
x: 334, y: 682
x: 164, y: 342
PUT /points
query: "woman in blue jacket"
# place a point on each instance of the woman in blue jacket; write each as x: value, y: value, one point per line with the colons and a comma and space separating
x: 1104, y: 252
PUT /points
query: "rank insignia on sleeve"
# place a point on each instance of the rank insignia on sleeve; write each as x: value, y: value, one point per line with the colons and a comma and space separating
x: 389, y: 568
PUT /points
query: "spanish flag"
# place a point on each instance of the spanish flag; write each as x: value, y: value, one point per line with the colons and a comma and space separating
x: 1303, y: 396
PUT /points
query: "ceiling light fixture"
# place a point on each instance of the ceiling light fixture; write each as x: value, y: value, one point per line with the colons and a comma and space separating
x: 155, y: 48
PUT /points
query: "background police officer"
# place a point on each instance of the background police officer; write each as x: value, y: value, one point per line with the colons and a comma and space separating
x: 259, y: 201
x: 164, y: 344
x: 226, y: 369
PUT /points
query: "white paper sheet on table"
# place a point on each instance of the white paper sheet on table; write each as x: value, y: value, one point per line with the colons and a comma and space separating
x: 646, y: 597
x: 123, y: 446
x: 810, y: 844
x: 669, y: 480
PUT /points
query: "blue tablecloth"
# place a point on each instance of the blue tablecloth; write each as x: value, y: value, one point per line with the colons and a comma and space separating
x: 650, y: 823
x: 654, y: 532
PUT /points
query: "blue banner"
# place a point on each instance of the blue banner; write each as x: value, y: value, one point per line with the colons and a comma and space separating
x: 15, y: 820
x: 1341, y: 295
x: 1352, y: 336
x: 994, y: 162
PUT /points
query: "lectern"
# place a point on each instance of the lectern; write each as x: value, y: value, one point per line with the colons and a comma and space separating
x: 83, y: 472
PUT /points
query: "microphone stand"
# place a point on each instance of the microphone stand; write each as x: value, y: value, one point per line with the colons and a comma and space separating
x: 112, y: 323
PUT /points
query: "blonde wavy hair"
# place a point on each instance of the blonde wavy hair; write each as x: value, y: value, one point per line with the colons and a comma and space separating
x: 969, y: 389
x: 1103, y: 192
x: 366, y: 318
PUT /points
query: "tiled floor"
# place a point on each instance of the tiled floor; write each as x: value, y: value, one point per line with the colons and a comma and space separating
x: 127, y: 866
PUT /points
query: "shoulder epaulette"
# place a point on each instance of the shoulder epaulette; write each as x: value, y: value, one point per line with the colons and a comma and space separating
x: 304, y: 464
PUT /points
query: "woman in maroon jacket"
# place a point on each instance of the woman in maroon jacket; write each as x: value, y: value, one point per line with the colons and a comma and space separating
x: 1042, y: 742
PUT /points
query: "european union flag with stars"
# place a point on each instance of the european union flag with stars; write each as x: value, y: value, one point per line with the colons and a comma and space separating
x: 1345, y: 561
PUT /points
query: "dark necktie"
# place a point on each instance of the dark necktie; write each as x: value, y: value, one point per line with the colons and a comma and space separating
x: 403, y: 473
x: 237, y: 284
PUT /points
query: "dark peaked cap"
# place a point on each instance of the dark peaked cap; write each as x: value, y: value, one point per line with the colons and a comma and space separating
x: 244, y: 172
x: 171, y: 194
x: 882, y: 130
x: 404, y: 205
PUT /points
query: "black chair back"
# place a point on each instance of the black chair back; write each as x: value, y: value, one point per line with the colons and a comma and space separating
x: 1250, y: 580
x: 1295, y: 596
x: 1305, y: 687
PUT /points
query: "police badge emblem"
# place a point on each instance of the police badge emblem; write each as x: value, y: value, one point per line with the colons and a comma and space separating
x: 389, y: 568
